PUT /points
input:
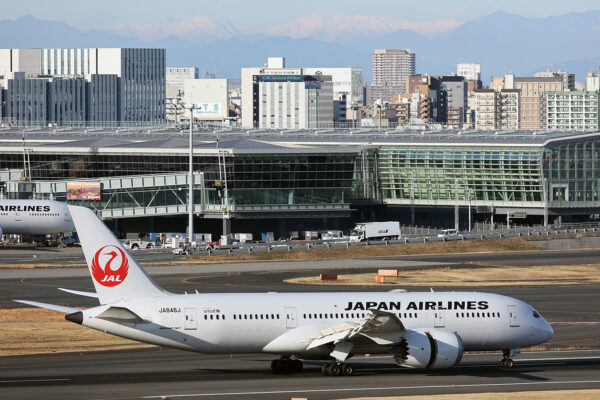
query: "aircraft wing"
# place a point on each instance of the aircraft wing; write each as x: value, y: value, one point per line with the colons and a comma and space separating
x: 68, y: 310
x: 381, y: 327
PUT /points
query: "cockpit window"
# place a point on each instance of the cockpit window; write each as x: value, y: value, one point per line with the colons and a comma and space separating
x: 535, y: 314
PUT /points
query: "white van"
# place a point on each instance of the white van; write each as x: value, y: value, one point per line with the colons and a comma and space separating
x: 448, y: 233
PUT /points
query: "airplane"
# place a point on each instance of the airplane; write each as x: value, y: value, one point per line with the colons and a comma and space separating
x: 420, y: 330
x: 34, y: 217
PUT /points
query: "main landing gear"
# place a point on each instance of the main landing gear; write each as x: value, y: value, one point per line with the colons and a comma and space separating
x: 507, y: 361
x: 337, y: 369
x: 286, y: 366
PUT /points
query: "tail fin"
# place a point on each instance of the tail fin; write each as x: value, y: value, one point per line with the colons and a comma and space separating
x: 115, y: 273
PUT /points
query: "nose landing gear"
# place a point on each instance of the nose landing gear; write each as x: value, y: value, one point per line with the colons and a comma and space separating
x: 507, y: 361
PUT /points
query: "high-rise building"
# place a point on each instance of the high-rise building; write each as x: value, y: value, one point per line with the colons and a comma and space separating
x: 470, y: 71
x: 140, y: 74
x: 391, y: 67
x: 335, y: 92
x: 571, y: 110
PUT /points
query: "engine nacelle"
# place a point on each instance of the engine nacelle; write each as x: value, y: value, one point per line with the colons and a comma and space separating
x: 428, y: 348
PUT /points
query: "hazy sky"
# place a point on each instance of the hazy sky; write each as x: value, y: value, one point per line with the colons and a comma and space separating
x: 87, y: 14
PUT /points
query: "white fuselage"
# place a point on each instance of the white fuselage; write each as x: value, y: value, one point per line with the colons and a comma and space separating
x: 285, y: 323
x: 34, y: 217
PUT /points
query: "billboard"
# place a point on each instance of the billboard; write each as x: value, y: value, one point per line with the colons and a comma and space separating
x: 83, y: 190
x: 207, y: 108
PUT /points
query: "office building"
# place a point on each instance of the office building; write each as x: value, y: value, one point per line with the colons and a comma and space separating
x: 175, y: 78
x: 58, y: 100
x: 140, y: 73
x: 567, y: 78
x: 276, y: 97
x: 470, y: 71
x: 347, y: 83
x: 391, y: 68
x: 573, y: 111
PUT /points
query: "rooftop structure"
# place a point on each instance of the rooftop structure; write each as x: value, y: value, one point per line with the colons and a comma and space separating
x: 278, y: 176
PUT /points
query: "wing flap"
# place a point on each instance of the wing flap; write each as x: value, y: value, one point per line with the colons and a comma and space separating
x: 381, y: 327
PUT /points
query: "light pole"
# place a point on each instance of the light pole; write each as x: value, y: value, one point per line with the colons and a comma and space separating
x: 469, y: 209
x: 456, y: 204
x: 545, y: 192
x: 191, y: 180
x: 412, y: 197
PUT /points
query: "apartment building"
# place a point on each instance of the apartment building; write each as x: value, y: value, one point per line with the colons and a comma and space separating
x: 496, y: 109
x: 391, y: 68
x: 532, y: 100
x: 574, y: 111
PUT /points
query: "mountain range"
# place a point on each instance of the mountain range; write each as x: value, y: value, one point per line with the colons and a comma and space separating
x: 500, y: 42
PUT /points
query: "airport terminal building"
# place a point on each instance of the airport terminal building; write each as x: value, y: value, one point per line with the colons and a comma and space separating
x: 283, y: 181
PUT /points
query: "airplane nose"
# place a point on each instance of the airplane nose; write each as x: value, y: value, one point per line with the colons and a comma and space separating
x: 547, y: 332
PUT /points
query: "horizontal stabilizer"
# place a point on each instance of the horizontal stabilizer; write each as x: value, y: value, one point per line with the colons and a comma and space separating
x: 68, y: 310
x: 121, y: 314
x: 79, y: 293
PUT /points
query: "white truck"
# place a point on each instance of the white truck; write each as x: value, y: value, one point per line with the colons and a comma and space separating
x: 389, y: 230
x: 137, y: 244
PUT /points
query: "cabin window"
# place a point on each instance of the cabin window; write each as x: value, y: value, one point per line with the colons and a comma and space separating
x: 206, y: 317
x: 211, y: 316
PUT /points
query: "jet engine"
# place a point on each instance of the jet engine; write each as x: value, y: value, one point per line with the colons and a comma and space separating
x: 428, y: 348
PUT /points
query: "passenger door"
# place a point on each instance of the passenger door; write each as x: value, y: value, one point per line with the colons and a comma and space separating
x: 512, y: 315
x: 438, y: 319
x: 190, y: 319
x: 290, y: 317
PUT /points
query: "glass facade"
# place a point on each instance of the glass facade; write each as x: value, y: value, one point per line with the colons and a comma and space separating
x: 437, y: 174
x: 252, y: 179
x: 572, y: 172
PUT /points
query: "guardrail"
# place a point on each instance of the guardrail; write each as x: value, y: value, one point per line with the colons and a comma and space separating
x: 328, y: 244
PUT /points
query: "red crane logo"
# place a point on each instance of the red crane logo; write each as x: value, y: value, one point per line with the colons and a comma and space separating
x: 110, y: 266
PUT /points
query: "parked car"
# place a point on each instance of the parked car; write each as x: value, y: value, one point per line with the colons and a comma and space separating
x: 448, y: 234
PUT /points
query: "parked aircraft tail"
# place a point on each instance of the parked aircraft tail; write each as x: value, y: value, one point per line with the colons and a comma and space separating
x: 115, y: 273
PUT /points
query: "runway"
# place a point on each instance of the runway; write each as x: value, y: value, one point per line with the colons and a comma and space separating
x: 156, y: 373
x: 153, y: 374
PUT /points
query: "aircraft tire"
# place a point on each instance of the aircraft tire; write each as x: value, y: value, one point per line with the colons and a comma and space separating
x: 296, y: 366
x: 335, y: 370
x: 347, y: 370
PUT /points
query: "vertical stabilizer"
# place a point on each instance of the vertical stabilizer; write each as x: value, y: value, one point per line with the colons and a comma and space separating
x: 115, y: 273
